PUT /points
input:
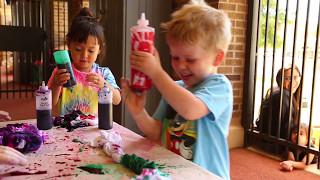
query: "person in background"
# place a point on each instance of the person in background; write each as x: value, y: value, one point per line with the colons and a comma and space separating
x: 301, y: 161
x: 194, y: 114
x: 4, y: 116
x: 11, y: 156
x: 271, y: 105
x: 86, y: 42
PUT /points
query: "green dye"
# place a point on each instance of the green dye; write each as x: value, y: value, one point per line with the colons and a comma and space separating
x: 93, y: 168
x: 136, y: 163
x: 81, y: 149
x: 76, y: 140
x: 117, y: 171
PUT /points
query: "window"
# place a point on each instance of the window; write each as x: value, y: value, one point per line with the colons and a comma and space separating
x: 285, y: 33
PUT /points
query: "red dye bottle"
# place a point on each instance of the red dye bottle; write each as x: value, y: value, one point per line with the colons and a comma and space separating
x: 142, y: 39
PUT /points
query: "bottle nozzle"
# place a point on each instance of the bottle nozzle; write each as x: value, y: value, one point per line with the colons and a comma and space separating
x: 43, y: 86
x: 143, y: 16
x: 143, y: 21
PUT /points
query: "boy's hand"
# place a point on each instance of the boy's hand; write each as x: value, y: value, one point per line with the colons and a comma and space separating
x: 61, y: 76
x: 9, y: 155
x: 134, y: 102
x: 146, y: 62
x: 4, y: 116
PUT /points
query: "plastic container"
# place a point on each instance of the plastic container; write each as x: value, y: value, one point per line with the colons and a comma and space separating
x: 43, y: 107
x: 105, y: 109
x: 62, y: 60
x: 142, y: 39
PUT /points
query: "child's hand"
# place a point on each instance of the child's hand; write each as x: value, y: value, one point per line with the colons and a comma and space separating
x: 134, y: 102
x: 61, y: 76
x: 9, y: 155
x: 286, y: 165
x: 4, y: 116
x: 96, y: 80
x: 146, y: 62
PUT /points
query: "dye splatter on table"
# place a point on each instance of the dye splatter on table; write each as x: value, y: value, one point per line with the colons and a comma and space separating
x: 64, y: 151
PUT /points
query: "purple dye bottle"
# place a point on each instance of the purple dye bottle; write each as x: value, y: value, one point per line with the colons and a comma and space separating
x: 105, y: 109
x: 44, y: 107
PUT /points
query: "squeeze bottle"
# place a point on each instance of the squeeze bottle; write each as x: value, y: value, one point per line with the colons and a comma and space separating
x: 142, y: 39
x: 62, y: 60
x: 44, y: 107
x: 105, y: 110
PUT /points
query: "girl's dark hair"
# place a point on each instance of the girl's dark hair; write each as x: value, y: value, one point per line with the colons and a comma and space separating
x: 83, y: 25
x: 297, y: 94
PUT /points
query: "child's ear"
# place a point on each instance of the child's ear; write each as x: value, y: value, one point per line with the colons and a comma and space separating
x: 219, y: 58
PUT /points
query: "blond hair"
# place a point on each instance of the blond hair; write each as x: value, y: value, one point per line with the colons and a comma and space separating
x: 198, y: 22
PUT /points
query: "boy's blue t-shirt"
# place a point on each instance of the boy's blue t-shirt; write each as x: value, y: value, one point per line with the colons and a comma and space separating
x: 203, y: 141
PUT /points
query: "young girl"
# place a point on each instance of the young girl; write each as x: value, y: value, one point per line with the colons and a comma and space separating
x: 300, y: 162
x: 85, y: 42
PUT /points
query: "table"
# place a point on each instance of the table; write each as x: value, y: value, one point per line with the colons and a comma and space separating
x: 60, y: 156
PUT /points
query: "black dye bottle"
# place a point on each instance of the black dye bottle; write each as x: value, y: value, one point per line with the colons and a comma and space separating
x: 44, y: 106
x: 105, y: 112
x: 62, y: 60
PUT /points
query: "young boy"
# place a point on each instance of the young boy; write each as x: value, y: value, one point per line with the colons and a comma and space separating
x: 194, y: 114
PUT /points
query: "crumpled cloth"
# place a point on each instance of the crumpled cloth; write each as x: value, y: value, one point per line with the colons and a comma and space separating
x: 74, y: 120
x: 151, y: 174
x: 22, y: 137
x: 111, y: 143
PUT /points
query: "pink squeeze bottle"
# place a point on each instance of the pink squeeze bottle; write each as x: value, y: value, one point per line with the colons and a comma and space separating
x: 142, y: 38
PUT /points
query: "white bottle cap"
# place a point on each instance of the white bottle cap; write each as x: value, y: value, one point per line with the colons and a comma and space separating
x: 143, y: 21
x: 43, y: 86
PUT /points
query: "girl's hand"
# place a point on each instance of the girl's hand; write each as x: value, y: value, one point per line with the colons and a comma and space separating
x: 9, y: 155
x: 146, y: 62
x: 96, y: 80
x: 286, y: 165
x: 135, y: 102
x: 4, y: 116
x: 61, y: 76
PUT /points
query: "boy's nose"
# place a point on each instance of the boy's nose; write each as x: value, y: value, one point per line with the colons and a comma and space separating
x: 182, y: 65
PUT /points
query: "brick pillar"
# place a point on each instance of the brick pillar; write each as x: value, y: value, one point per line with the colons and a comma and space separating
x: 233, y: 65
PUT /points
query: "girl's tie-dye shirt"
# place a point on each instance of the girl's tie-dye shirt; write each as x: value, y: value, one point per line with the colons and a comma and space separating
x: 83, y: 96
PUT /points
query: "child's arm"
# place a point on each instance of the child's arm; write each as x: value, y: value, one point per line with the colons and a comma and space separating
x: 4, y: 116
x: 291, y: 164
x: 56, y: 81
x: 135, y: 103
x: 182, y: 100
x: 9, y: 155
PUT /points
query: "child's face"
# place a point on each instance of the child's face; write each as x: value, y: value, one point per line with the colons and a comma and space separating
x: 191, y: 63
x: 84, y: 54
x: 303, y: 137
x: 287, y: 80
